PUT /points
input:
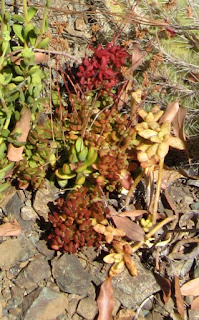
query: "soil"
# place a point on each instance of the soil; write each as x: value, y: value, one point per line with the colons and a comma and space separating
x: 39, y: 283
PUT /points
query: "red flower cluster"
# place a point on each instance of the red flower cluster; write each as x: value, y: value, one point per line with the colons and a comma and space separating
x: 102, y: 70
x: 72, y: 223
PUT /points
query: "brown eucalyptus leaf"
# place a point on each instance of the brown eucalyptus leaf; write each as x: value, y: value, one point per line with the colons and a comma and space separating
x: 10, y: 229
x: 105, y: 300
x: 132, y: 230
x: 165, y: 285
x: 178, y: 123
x: 137, y: 56
x: 132, y: 213
x: 170, y: 112
x: 14, y: 153
x: 179, y: 299
x: 190, y: 288
x: 195, y: 304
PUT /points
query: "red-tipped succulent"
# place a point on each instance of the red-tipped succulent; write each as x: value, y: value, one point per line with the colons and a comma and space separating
x: 102, y: 70
x: 73, y: 221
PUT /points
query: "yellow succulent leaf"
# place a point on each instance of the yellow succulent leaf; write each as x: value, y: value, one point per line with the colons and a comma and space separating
x: 142, y: 156
x: 99, y: 228
x: 152, y: 150
x: 155, y: 139
x: 177, y: 143
x: 148, y: 133
x: 141, y: 126
x: 163, y: 149
x: 158, y: 114
x: 142, y: 113
x: 149, y: 117
x: 143, y: 147
x: 166, y: 127
x: 154, y: 125
x: 117, y: 268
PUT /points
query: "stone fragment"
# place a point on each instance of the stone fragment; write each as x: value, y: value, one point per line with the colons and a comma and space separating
x: 14, y: 205
x: 6, y: 196
x: 43, y: 249
x: 43, y: 197
x: 45, y: 304
x: 33, y: 273
x: 70, y: 276
x: 13, y: 251
x: 87, y: 308
x: 28, y: 213
x: 80, y: 24
x: 73, y: 300
x: 130, y: 291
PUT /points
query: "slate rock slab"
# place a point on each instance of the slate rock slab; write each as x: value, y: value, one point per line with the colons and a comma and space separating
x: 45, y: 304
x: 129, y: 291
x: 70, y: 275
x: 33, y: 273
x: 14, y: 251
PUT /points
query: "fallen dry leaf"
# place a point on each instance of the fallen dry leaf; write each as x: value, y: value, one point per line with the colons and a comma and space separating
x: 137, y: 57
x: 178, y: 123
x: 14, y: 153
x: 132, y: 213
x: 105, y: 300
x: 191, y: 288
x: 170, y: 112
x: 132, y: 230
x: 195, y: 304
x: 165, y: 285
x: 179, y: 299
x: 10, y: 229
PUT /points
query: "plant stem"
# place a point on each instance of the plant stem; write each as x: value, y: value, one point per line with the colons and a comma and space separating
x: 43, y: 23
x: 25, y: 10
x: 3, y: 16
x: 158, y: 189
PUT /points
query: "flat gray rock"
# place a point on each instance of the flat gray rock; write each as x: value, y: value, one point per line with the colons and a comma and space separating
x: 70, y: 275
x: 14, y: 251
x: 45, y: 304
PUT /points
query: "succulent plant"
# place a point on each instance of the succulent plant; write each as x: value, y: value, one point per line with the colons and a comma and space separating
x: 103, y: 69
x: 73, y: 220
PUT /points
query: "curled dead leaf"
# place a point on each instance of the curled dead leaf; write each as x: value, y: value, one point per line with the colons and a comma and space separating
x: 105, y: 300
x: 14, y: 153
x: 10, y: 229
x: 190, y: 288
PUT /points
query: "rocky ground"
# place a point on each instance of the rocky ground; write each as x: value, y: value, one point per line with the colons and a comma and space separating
x: 38, y: 283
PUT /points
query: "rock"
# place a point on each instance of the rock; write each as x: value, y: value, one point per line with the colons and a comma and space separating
x: 70, y: 276
x: 87, y: 308
x: 17, y: 294
x: 80, y: 24
x: 33, y: 273
x: 43, y: 249
x: 73, y: 300
x: 43, y: 197
x: 132, y: 291
x: 14, y: 205
x: 44, y: 304
x: 6, y: 196
x: 13, y: 251
x: 28, y: 213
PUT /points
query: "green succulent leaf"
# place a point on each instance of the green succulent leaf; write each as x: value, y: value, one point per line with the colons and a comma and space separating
x: 18, y: 18
x: 28, y: 28
x: 44, y: 43
x: 5, y: 133
x: 31, y: 13
x: 18, y: 30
